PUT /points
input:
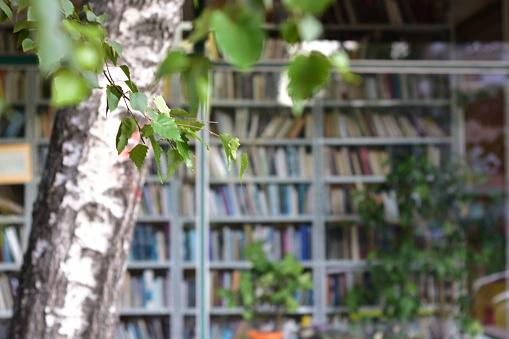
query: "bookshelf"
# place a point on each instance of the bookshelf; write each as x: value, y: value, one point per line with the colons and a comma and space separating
x: 298, y: 193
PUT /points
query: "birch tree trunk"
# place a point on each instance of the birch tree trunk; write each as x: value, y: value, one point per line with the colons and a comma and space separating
x: 84, y: 215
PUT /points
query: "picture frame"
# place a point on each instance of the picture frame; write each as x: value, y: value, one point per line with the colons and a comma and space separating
x: 15, y: 164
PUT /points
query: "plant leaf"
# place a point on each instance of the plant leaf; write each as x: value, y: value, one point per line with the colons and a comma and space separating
x: 239, y: 35
x: 127, y: 127
x: 113, y: 96
x: 201, y: 26
x: 230, y: 146
x: 6, y: 9
x: 308, y: 6
x: 132, y: 86
x: 126, y: 71
x: 68, y: 88
x: 28, y: 44
x: 244, y: 163
x: 67, y: 7
x: 139, y: 101
x: 161, y: 104
x: 183, y: 149
x: 158, y: 150
x: 138, y: 155
x: 91, y: 79
x: 165, y: 126
x: 307, y: 75
x: 116, y: 47
x: 174, y: 161
x: 309, y: 28
x: 176, y: 61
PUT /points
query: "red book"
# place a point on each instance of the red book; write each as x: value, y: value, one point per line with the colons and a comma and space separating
x: 363, y: 153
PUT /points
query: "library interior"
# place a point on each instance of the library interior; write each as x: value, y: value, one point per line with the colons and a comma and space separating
x: 379, y: 211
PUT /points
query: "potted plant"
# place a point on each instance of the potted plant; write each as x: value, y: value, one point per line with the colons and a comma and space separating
x: 268, y: 290
x: 425, y: 255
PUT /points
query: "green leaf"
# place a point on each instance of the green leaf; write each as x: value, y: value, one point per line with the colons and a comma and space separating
x: 138, y: 155
x: 180, y: 113
x: 91, y: 16
x: 21, y: 24
x: 139, y: 101
x: 126, y: 71
x: 67, y: 7
x: 308, y: 6
x: 307, y: 75
x: 201, y: 26
x: 230, y: 146
x: 91, y: 79
x: 158, y: 150
x: 166, y: 127
x: 22, y: 35
x: 28, y: 44
x: 176, y: 61
x: 183, y: 149
x: 102, y: 18
x: 161, y: 105
x: 309, y: 28
x: 290, y: 31
x: 244, y: 163
x: 113, y: 96
x: 126, y: 129
x: 22, y: 4
x: 6, y: 9
x: 239, y: 35
x: 132, y: 86
x: 174, y: 161
x: 147, y: 131
x: 340, y: 61
x: 68, y: 88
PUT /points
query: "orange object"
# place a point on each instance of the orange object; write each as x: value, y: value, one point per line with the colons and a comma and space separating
x: 253, y: 334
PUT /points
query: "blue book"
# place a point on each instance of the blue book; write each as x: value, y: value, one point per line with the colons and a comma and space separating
x: 15, y: 125
x: 301, y: 191
x: 287, y: 201
x: 5, y: 250
x: 272, y: 191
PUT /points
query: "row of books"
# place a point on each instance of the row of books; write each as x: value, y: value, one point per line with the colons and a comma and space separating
x: 275, y: 123
x: 366, y: 123
x: 11, y: 251
x: 147, y: 290
x: 150, y: 242
x: 230, y: 280
x: 12, y: 123
x: 8, y: 290
x: 389, y: 86
x: 340, y: 282
x: 429, y: 289
x: 282, y: 161
x: 346, y: 161
x: 228, y: 243
x: 12, y: 85
x: 348, y: 242
x: 260, y: 200
x: 44, y: 122
x: 396, y: 12
x: 156, y: 200
x: 342, y: 199
x: 140, y: 328
x: 231, y: 85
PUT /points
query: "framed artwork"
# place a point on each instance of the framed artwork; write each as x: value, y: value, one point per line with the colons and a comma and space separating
x: 15, y: 164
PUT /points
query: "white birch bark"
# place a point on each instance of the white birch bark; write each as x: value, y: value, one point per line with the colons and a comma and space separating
x: 85, y: 212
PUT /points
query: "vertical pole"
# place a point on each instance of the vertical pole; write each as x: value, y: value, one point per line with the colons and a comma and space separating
x: 505, y: 35
x: 202, y: 269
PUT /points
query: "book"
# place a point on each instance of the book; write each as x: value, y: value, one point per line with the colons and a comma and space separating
x: 14, y: 244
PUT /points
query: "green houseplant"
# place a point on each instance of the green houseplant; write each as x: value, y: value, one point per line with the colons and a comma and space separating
x: 268, y: 290
x: 428, y: 239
